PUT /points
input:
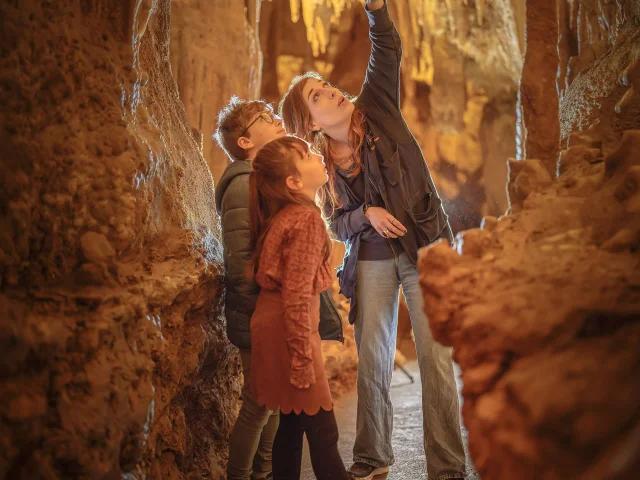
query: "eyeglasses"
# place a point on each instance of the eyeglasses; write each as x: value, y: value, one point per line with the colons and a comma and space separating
x: 265, y: 116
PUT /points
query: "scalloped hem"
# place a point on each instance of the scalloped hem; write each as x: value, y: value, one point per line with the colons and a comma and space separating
x: 286, y: 409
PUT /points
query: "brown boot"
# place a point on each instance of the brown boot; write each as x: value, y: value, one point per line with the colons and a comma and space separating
x: 364, y: 471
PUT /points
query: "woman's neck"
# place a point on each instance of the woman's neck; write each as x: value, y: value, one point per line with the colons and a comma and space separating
x: 341, y: 154
x: 339, y: 133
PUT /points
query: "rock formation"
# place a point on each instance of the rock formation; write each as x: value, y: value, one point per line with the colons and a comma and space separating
x: 115, y: 363
x: 542, y: 305
x: 215, y: 53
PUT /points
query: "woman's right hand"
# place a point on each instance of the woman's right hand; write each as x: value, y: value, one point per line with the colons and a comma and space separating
x: 385, y: 224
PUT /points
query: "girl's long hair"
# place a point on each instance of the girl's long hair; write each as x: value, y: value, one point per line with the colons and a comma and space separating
x: 296, y: 116
x: 268, y: 191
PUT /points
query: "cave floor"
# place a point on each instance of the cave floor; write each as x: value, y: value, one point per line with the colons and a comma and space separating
x: 407, y: 430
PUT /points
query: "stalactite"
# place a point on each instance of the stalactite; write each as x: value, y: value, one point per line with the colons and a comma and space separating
x: 494, y: 45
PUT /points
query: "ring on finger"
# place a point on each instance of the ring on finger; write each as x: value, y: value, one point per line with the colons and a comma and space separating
x: 385, y: 233
x: 393, y: 220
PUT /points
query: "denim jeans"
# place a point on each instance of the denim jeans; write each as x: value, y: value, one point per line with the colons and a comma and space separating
x: 377, y: 287
x: 251, y: 441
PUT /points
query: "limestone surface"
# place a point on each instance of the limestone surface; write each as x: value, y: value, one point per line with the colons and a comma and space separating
x: 542, y: 305
x: 543, y: 312
x: 115, y: 363
x: 215, y: 52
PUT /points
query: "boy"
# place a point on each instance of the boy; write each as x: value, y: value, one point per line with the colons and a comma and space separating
x: 243, y: 128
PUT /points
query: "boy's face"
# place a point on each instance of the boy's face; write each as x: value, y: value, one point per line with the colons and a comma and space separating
x: 262, y: 128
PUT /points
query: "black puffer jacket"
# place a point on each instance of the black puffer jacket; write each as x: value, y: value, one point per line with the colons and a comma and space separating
x: 232, y: 204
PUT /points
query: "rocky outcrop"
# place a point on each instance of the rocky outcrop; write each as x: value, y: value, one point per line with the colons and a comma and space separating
x: 600, y: 71
x: 115, y: 363
x: 538, y: 84
x: 542, y: 306
x: 542, y: 310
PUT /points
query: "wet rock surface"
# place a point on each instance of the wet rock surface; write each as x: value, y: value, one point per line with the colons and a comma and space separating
x: 215, y: 53
x: 542, y: 305
x: 543, y: 312
x: 115, y: 363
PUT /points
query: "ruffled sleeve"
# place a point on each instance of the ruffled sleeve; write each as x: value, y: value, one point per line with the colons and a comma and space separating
x: 303, y: 255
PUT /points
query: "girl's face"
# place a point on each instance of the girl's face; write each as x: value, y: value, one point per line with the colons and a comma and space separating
x: 312, y: 173
x: 327, y: 106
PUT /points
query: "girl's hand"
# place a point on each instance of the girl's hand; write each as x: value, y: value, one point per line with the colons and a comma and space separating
x: 385, y: 224
x: 302, y: 378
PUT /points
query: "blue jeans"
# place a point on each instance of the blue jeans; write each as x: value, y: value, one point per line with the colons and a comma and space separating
x: 377, y: 289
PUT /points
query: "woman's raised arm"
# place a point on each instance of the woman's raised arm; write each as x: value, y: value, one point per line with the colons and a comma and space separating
x: 382, y: 80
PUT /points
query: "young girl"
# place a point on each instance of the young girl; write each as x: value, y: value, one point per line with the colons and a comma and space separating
x: 382, y: 203
x: 291, y: 266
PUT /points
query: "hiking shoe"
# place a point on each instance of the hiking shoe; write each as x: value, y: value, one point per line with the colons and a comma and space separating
x: 363, y: 471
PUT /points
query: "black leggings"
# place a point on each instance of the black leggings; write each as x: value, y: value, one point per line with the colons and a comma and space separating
x: 322, y: 435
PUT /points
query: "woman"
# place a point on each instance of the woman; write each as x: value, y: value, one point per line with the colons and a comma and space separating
x: 291, y: 264
x: 381, y: 202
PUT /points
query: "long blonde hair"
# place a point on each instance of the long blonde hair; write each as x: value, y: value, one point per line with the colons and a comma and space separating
x: 296, y: 116
x: 268, y: 191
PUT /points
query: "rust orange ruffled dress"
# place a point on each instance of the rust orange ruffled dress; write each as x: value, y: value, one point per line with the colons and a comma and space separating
x: 285, y: 344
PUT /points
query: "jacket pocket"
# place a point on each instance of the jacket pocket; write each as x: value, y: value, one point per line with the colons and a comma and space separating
x: 390, y: 167
x: 429, y: 216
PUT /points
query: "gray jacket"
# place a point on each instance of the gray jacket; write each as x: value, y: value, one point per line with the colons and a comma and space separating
x: 232, y: 204
x: 396, y: 174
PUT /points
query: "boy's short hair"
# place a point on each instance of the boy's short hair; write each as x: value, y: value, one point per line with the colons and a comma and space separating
x: 233, y: 119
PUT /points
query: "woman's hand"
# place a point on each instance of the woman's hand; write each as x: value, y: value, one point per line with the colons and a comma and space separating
x: 385, y: 224
x: 373, y: 5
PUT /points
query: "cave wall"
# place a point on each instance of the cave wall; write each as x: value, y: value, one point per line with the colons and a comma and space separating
x: 461, y: 67
x: 115, y: 359
x: 115, y: 363
x: 599, y: 73
x: 542, y: 305
x: 215, y: 53
x: 537, y: 95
